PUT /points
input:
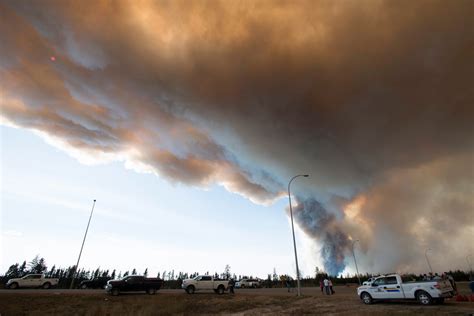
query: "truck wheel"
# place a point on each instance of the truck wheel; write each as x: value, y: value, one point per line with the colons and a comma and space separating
x: 13, y: 286
x: 220, y: 290
x: 424, y: 298
x: 190, y: 289
x: 366, y: 298
x: 84, y: 286
x: 150, y: 291
x: 115, y: 292
x: 47, y: 285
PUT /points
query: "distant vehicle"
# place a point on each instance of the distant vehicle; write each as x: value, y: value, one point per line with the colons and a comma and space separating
x: 134, y: 283
x: 369, y: 281
x: 97, y: 283
x: 392, y: 287
x: 205, y: 283
x: 32, y: 280
x: 248, y: 283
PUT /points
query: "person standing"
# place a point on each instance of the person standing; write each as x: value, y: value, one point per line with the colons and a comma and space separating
x: 321, y: 285
x: 330, y: 287
x: 288, y: 284
x: 326, y: 286
x: 231, y: 286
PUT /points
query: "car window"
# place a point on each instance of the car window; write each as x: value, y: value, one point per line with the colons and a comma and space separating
x: 206, y: 278
x: 379, y: 281
x: 391, y: 280
x: 38, y: 276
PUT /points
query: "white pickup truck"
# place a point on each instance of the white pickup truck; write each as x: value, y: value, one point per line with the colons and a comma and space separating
x: 391, y: 287
x: 248, y: 283
x: 206, y: 283
x: 32, y: 280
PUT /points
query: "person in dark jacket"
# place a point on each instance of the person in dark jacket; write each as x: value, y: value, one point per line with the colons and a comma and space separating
x: 231, y: 286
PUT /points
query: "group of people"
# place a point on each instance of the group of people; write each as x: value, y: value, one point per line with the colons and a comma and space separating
x: 445, y: 276
x: 326, y: 286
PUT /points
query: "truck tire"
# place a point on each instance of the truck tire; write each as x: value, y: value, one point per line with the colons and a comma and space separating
x: 13, y: 286
x: 115, y: 292
x: 220, y: 289
x: 47, y: 285
x: 151, y: 291
x: 190, y: 289
x: 424, y: 298
x: 366, y: 298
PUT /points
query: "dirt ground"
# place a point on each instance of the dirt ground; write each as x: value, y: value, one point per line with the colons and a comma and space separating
x: 244, y: 302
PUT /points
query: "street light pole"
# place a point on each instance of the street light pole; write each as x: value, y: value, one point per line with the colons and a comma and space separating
x: 355, y: 261
x: 293, y: 231
x: 83, y: 241
x: 470, y: 266
x: 427, y: 260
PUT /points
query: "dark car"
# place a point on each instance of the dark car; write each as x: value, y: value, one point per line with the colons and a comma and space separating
x: 97, y: 283
x: 134, y: 283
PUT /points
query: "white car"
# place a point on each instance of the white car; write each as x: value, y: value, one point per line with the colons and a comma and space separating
x: 248, y: 283
x: 206, y: 283
x: 32, y: 280
x: 391, y: 287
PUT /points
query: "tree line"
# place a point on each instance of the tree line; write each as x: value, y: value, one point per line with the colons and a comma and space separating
x: 172, y: 279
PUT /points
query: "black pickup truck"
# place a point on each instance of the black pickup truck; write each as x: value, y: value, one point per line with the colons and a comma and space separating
x: 134, y: 283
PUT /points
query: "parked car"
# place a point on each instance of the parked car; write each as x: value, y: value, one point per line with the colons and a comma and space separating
x: 205, y: 283
x: 392, y: 287
x: 248, y: 283
x: 32, y: 280
x: 97, y: 283
x: 134, y: 283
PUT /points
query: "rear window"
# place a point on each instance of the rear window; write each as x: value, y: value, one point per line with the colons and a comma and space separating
x: 391, y: 280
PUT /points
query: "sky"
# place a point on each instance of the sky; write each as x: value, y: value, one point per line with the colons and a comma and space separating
x: 186, y: 120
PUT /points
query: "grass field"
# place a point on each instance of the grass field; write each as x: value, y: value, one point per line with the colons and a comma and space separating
x: 244, y: 302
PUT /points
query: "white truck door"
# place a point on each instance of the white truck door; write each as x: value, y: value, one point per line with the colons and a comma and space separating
x: 206, y: 282
x: 392, y: 288
x: 37, y: 280
x: 376, y: 289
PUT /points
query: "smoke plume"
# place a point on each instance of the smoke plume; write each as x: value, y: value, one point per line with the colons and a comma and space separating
x: 373, y: 98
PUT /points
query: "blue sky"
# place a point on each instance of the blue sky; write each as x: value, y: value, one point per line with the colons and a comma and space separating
x: 140, y: 220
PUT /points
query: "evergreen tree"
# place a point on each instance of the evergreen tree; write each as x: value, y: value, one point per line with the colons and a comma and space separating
x: 145, y: 274
x: 37, y: 265
x: 113, y: 275
x: 226, y: 273
x: 22, y: 269
x: 134, y: 271
x: 12, y: 271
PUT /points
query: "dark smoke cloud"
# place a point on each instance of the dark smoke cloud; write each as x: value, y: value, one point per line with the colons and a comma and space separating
x: 372, y: 98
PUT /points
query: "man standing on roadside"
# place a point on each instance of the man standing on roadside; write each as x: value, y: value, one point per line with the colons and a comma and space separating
x: 326, y: 286
x: 231, y: 286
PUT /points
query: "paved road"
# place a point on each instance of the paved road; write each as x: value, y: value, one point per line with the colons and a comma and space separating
x: 263, y: 291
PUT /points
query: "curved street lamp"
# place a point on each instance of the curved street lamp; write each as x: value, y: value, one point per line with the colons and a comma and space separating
x: 355, y: 261
x: 427, y: 260
x: 293, y: 230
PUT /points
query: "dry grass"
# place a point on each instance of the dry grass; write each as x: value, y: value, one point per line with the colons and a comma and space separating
x: 248, y: 302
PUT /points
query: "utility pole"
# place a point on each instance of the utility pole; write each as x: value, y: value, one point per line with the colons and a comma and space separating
x: 80, y: 252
